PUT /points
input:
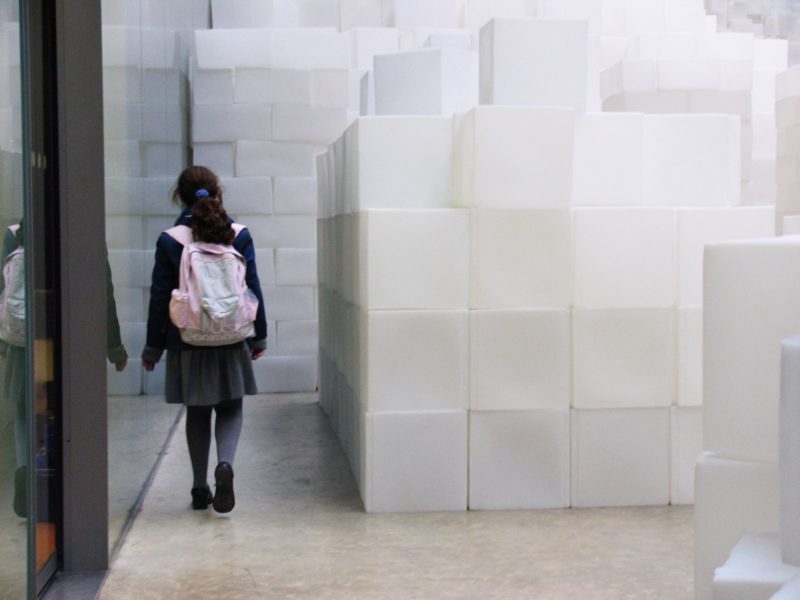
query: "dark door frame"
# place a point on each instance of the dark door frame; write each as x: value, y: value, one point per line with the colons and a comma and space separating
x: 79, y: 89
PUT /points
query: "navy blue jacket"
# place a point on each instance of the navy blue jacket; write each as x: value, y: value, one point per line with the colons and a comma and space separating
x: 161, y: 333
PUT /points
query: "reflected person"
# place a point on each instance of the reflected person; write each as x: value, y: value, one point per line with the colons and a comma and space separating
x: 12, y: 350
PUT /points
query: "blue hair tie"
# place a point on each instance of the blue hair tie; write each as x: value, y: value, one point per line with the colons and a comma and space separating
x: 201, y: 193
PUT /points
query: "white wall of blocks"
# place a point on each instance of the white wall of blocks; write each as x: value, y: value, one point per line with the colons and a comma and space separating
x: 491, y: 262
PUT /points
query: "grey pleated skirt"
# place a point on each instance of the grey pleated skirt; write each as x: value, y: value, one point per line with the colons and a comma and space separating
x: 208, y: 376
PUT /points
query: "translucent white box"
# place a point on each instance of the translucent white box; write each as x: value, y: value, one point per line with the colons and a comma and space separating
x: 520, y: 359
x: 401, y: 162
x: 519, y: 459
x: 620, y: 457
x: 732, y: 498
x: 414, y: 259
x: 742, y: 353
x: 439, y: 81
x: 608, y: 159
x: 623, y: 358
x: 416, y: 462
x: 261, y: 159
x: 632, y: 247
x: 520, y: 259
x: 518, y: 66
x: 515, y: 157
x: 247, y: 195
x: 219, y: 157
x: 307, y: 124
x: 415, y: 360
x: 692, y: 160
x: 230, y: 122
x: 296, y: 266
x: 272, y: 86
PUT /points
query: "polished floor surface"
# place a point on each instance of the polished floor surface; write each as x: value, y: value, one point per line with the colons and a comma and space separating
x: 299, y: 531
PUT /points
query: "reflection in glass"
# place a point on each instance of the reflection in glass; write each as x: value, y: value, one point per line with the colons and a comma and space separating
x: 14, y: 420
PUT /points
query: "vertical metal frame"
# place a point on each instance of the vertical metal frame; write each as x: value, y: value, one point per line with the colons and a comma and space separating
x: 83, y: 285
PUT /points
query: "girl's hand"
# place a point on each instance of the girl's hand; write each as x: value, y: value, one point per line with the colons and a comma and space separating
x: 120, y: 366
x: 256, y: 354
x: 148, y: 365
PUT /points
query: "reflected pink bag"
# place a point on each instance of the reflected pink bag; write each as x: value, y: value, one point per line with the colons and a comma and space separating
x: 213, y: 305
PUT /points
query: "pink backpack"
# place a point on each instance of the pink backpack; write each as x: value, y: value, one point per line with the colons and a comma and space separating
x: 213, y: 305
x: 12, y: 299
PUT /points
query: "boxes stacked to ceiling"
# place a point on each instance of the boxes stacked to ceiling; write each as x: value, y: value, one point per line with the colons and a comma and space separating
x: 584, y: 244
x: 145, y: 87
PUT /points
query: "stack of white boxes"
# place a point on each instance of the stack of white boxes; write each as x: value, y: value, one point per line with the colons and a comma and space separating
x: 702, y: 72
x: 737, y: 477
x: 145, y: 81
x: 585, y: 236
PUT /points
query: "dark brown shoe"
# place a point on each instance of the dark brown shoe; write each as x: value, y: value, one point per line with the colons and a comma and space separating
x: 201, y: 497
x: 224, y: 500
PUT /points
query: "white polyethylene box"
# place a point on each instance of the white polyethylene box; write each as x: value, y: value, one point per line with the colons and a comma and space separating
x: 230, y: 122
x: 290, y: 303
x: 624, y: 257
x: 732, y: 498
x: 620, y: 457
x: 212, y: 86
x: 608, y: 159
x: 754, y: 570
x: 521, y: 360
x: 272, y: 86
x: 286, y: 374
x: 247, y: 195
x: 296, y: 266
x: 623, y: 358
x: 742, y: 353
x: 218, y: 157
x: 258, y: 159
x: 515, y: 157
x: 296, y: 195
x: 519, y: 459
x: 518, y: 65
x: 790, y: 591
x: 308, y: 124
x: 692, y: 160
x: 438, y: 81
x: 414, y: 259
x: 297, y: 338
x: 520, y: 259
x: 696, y: 227
x: 368, y: 42
x: 400, y: 162
x: 415, y: 360
x: 130, y: 267
x: 416, y: 462
x: 686, y: 429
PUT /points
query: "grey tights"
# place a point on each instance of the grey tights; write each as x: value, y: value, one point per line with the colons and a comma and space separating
x: 227, y: 428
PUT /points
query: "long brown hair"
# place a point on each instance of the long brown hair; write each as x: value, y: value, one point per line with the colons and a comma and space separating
x: 198, y: 190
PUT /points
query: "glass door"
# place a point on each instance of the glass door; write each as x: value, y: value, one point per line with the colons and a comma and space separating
x: 36, y: 236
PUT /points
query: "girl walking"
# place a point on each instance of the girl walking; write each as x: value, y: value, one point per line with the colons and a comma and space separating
x: 206, y: 379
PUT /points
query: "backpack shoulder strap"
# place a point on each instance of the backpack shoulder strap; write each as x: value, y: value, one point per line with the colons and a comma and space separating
x: 237, y: 229
x: 181, y: 234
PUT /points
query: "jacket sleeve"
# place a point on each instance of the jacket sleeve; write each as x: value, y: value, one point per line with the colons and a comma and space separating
x: 244, y: 245
x: 115, y: 351
x: 162, y: 284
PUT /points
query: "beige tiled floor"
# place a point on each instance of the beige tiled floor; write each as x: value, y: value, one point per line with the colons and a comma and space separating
x: 299, y: 531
